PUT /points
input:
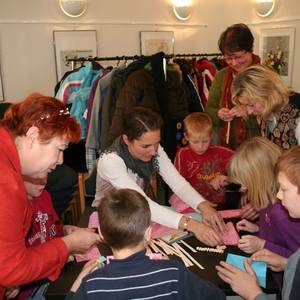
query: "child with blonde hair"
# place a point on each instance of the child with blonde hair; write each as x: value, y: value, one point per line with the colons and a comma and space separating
x: 245, y: 283
x: 200, y: 163
x: 253, y: 166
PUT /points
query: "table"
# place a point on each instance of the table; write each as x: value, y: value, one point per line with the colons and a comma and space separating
x: 58, y: 289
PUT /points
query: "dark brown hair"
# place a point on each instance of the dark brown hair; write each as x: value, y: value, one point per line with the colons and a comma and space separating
x: 289, y: 164
x: 48, y: 114
x: 237, y: 37
x: 124, y: 216
x: 139, y: 121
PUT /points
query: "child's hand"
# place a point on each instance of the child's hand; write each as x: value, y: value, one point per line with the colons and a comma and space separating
x: 248, y: 211
x: 89, y: 267
x: 243, y: 283
x: 219, y: 182
x: 12, y: 292
x: 246, y: 225
x: 251, y: 243
x: 275, y: 262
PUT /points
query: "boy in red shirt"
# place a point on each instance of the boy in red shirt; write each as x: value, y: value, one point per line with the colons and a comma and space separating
x: 201, y: 164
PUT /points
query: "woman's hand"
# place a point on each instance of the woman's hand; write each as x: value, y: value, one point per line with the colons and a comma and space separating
x: 68, y: 229
x: 243, y: 283
x: 239, y: 111
x: 246, y: 225
x: 219, y: 182
x: 275, y: 261
x: 204, y: 233
x: 225, y: 115
x: 251, y: 243
x: 88, y: 268
x: 211, y: 217
x: 80, y: 240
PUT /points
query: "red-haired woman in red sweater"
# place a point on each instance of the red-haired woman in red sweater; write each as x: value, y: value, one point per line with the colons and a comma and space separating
x: 34, y: 133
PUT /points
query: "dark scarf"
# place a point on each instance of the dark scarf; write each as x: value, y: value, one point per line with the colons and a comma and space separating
x: 237, y: 133
x: 145, y: 170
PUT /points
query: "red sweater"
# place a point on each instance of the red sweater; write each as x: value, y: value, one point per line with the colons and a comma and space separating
x: 199, y: 170
x: 19, y: 264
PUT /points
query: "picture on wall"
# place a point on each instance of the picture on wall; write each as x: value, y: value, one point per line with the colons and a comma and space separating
x: 72, y: 44
x: 157, y: 41
x: 277, y: 50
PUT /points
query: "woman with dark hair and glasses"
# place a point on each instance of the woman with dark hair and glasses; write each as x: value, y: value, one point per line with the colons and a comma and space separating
x: 135, y: 158
x: 34, y: 133
x: 231, y: 122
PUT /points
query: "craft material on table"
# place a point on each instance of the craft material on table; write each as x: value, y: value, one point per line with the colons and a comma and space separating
x: 93, y: 220
x: 230, y: 213
x: 259, y: 267
x: 230, y: 237
x: 92, y: 253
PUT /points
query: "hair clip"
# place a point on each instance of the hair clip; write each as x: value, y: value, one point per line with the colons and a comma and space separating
x: 64, y: 112
x: 61, y: 112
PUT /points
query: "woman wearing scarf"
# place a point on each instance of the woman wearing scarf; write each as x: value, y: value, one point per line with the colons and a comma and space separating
x: 232, y: 125
x: 135, y: 158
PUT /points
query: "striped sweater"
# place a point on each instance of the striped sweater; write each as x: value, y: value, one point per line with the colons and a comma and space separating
x: 138, y: 277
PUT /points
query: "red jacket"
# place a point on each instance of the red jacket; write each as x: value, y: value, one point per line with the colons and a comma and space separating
x: 19, y: 264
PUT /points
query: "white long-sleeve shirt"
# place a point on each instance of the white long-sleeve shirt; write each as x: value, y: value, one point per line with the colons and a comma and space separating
x: 113, y: 173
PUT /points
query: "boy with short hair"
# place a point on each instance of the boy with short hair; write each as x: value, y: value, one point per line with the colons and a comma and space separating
x: 200, y: 163
x: 124, y: 218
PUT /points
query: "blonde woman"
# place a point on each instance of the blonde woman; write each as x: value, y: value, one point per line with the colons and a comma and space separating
x: 264, y: 94
x: 253, y: 166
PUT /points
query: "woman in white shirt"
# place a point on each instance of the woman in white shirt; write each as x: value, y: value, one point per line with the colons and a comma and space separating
x: 133, y: 161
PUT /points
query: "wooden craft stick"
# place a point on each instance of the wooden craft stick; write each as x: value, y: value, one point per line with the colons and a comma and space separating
x: 156, y: 249
x: 188, y: 246
x: 165, y: 246
x: 189, y: 256
x: 228, y: 133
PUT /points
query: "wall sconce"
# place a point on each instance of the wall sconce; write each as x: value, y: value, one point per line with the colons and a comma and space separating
x: 182, y: 9
x: 73, y: 8
x: 264, y: 8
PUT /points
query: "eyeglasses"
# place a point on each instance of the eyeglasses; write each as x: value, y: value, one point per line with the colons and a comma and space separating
x: 238, y: 58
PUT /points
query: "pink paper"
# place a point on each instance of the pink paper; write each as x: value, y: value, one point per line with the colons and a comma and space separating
x: 230, y: 213
x: 93, y: 253
x: 160, y: 230
x: 231, y: 237
x: 179, y: 205
x: 93, y: 221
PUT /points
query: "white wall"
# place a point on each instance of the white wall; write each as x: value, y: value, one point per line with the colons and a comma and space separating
x: 286, y: 14
x: 26, y: 33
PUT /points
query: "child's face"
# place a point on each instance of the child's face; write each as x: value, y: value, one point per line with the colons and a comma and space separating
x: 198, y: 143
x: 35, y: 187
x: 289, y: 196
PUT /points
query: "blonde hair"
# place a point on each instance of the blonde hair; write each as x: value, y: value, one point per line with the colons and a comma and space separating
x: 262, y: 84
x: 198, y: 123
x: 253, y: 166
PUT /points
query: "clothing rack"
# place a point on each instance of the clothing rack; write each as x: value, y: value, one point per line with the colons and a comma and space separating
x: 135, y: 57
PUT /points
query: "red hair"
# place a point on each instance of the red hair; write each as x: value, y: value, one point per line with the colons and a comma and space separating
x: 46, y: 113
